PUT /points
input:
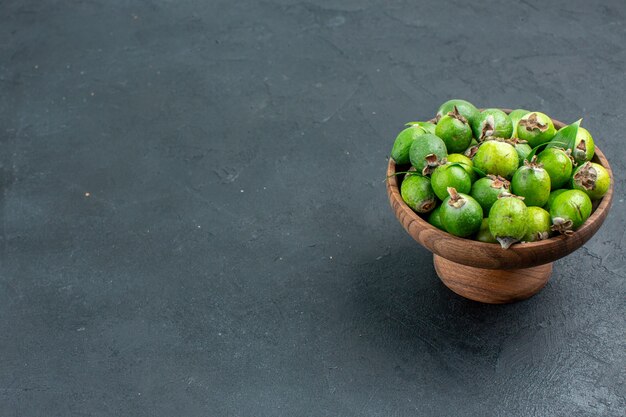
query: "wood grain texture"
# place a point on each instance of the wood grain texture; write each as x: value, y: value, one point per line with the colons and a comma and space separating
x: 489, y: 255
x: 493, y: 286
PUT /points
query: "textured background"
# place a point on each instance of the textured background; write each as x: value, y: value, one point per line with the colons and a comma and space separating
x: 236, y: 255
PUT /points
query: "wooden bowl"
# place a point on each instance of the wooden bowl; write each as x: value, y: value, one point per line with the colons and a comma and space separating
x: 484, y: 271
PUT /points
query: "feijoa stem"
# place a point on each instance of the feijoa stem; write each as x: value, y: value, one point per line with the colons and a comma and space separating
x: 586, y: 176
x: 533, y: 123
x: 506, y: 242
x: 562, y: 226
x: 455, y: 198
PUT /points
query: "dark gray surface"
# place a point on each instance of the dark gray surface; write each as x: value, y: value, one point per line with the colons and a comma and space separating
x: 236, y: 255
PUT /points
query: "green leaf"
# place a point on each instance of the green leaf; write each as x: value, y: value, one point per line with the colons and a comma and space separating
x: 427, y: 127
x: 402, y: 172
x: 566, y: 137
x: 478, y: 171
x: 420, y: 124
x: 462, y: 165
x: 534, y: 151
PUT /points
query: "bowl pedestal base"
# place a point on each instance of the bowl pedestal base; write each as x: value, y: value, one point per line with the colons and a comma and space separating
x: 493, y: 286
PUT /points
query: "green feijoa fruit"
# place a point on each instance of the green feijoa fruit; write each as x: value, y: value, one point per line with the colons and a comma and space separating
x: 592, y: 179
x: 535, y: 128
x: 517, y: 114
x: 487, y: 190
x: 584, y: 147
x: 496, y: 158
x: 515, y: 117
x: 465, y: 108
x: 538, y: 225
x: 569, y: 211
x: 460, y: 214
x: 417, y: 193
x: 492, y: 122
x: 427, y: 126
x: 434, y: 218
x: 523, y: 150
x: 427, y: 153
x: 554, y: 194
x: 455, y: 131
x: 532, y: 182
x: 558, y: 164
x: 448, y: 175
x: 403, y: 142
x: 507, y: 220
x: 465, y: 162
x: 484, y: 235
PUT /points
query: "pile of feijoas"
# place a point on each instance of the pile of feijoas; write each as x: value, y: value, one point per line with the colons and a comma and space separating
x: 498, y: 177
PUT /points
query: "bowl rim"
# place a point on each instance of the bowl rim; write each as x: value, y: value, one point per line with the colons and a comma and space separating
x: 586, y: 229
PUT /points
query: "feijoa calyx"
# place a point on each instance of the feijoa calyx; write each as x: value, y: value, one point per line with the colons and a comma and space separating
x: 592, y: 179
x: 427, y: 153
x: 417, y: 193
x: 507, y: 220
x: 460, y: 214
x: 532, y: 182
x: 569, y: 211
